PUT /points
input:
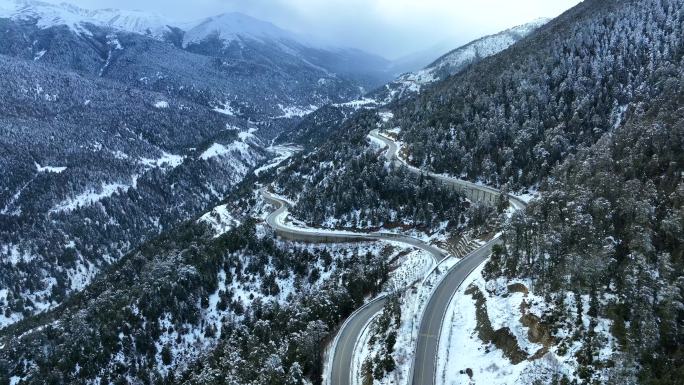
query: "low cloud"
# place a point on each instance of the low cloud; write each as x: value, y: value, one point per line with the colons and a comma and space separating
x: 391, y: 28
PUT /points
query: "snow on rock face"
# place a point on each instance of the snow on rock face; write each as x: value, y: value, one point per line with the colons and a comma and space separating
x: 233, y: 26
x: 484, y: 47
x: 144, y: 23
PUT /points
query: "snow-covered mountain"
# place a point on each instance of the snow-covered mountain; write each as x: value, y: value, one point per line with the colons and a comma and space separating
x: 235, y: 36
x: 110, y: 109
x: 48, y: 15
x: 232, y: 26
x: 456, y: 61
x: 256, y: 40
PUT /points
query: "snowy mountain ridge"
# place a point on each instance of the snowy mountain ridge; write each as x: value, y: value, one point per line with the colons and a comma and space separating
x: 48, y: 15
x: 232, y: 26
x: 457, y: 60
x: 226, y: 26
x: 484, y: 47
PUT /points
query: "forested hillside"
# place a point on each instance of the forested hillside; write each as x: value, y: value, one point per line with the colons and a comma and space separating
x: 112, y: 135
x: 610, y: 226
x: 514, y: 116
x: 135, y: 246
x: 189, y: 307
x: 588, y: 109
x: 345, y: 183
x: 87, y: 166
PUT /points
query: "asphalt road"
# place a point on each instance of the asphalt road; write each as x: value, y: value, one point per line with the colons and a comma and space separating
x: 427, y: 344
x: 476, y: 192
x: 354, y: 325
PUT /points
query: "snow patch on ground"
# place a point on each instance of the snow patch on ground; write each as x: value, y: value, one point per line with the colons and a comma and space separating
x: 220, y: 219
x: 7, y: 319
x: 82, y: 275
x: 246, y: 135
x: 39, y: 55
x: 219, y: 150
x: 296, y: 112
x: 283, y: 153
x: 12, y: 254
x: 56, y: 170
x: 226, y: 109
x: 410, y: 269
x: 386, y: 116
x: 358, y: 104
x: 166, y: 160
x: 90, y: 196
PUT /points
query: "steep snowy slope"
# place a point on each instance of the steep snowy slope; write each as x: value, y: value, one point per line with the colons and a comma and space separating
x: 48, y: 15
x: 212, y: 36
x: 234, y: 26
x: 455, y: 61
x: 126, y: 115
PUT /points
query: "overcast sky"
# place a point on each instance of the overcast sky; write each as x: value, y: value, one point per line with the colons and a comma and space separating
x: 391, y: 28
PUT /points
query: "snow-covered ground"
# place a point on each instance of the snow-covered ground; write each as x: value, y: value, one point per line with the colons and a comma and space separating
x: 91, y: 196
x: 232, y: 26
x: 9, y: 318
x: 295, y: 111
x: 95, y: 194
x: 461, y: 348
x: 165, y: 160
x: 283, y: 153
x: 217, y: 150
x: 220, y: 219
x: 226, y: 109
x: 53, y: 169
x: 360, y: 103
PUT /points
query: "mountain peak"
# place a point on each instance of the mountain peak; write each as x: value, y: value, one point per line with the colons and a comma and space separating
x: 48, y: 15
x: 232, y: 25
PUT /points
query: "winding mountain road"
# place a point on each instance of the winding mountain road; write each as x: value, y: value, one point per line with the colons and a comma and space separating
x: 343, y: 355
x: 424, y: 369
x: 473, y: 191
x: 425, y: 362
